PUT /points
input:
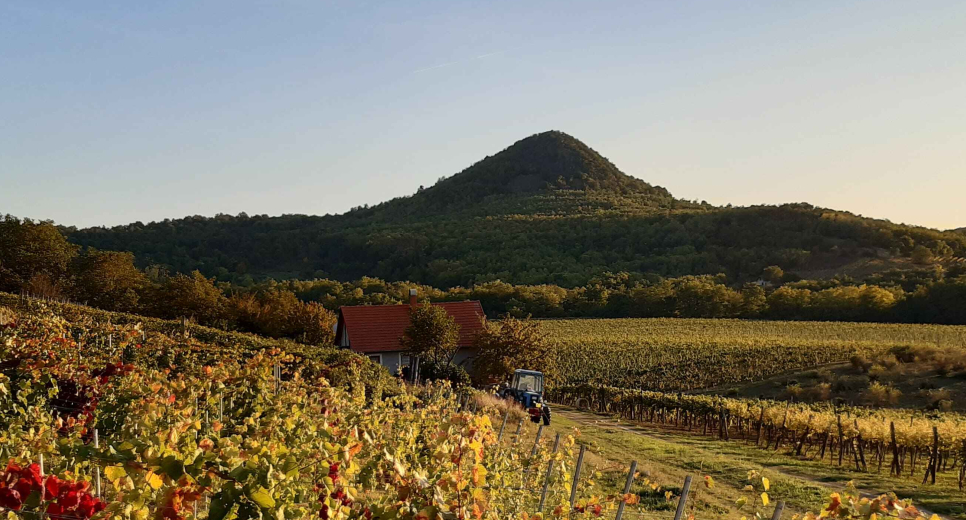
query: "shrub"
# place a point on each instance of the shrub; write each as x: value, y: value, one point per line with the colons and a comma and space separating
x: 439, y: 371
x: 878, y: 394
x: 794, y: 391
x: 877, y: 373
x: 820, y: 392
x: 861, y: 363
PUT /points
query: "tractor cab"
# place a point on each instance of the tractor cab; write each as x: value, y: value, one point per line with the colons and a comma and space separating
x: 526, y: 388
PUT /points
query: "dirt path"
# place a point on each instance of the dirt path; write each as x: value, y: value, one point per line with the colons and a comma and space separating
x: 586, y: 418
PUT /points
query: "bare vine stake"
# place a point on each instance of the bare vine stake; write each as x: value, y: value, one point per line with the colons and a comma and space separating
x: 536, y: 441
x: 546, y: 484
x: 97, y: 473
x: 41, y: 464
x: 516, y: 437
x: 533, y: 451
x: 682, y: 502
x: 627, y: 489
x: 546, y: 481
x: 779, y: 508
x: 573, y: 487
x: 503, y: 426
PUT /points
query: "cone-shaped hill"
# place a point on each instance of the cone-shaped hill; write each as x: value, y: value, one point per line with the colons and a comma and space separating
x: 547, y: 209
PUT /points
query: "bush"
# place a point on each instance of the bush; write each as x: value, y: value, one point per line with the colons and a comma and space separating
x: 820, y: 392
x: 861, y: 363
x: 794, y: 391
x: 878, y: 394
x: 448, y: 371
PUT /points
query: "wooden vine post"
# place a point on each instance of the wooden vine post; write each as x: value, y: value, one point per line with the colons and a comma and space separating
x: 859, y: 443
x: 682, y: 502
x: 627, y: 489
x: 838, y: 418
x: 933, y: 458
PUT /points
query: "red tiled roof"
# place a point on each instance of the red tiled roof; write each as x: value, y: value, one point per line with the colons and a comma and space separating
x: 377, y: 328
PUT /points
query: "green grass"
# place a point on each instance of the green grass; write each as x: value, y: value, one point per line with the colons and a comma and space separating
x: 804, y: 484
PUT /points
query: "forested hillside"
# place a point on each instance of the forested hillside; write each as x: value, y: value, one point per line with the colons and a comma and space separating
x: 548, y: 209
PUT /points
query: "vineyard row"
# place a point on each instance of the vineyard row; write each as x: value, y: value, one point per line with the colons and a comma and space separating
x: 863, y: 437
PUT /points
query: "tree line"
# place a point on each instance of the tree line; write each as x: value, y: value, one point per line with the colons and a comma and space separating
x: 36, y: 258
x: 561, y: 237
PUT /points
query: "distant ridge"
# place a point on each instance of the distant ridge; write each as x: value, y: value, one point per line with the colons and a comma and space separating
x: 547, y: 209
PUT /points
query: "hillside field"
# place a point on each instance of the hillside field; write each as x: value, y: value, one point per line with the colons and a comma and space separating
x: 692, y: 354
x: 144, y: 420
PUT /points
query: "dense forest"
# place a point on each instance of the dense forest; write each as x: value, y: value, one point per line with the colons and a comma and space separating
x: 547, y: 210
x: 35, y: 258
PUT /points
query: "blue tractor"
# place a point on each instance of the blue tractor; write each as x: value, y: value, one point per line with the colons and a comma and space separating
x: 527, y: 389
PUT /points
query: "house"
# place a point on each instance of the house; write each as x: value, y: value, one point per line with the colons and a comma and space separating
x: 374, y: 330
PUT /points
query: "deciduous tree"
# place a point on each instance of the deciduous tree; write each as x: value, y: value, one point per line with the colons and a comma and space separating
x: 510, y: 344
x: 432, y: 335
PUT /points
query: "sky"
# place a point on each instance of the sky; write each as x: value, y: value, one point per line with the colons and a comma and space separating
x: 115, y: 111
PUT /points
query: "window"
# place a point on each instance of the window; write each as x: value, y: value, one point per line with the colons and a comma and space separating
x: 375, y: 358
x: 404, y: 360
x: 528, y: 383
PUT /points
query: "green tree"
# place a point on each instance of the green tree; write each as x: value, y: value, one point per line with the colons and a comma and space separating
x: 754, y: 301
x: 314, y: 324
x: 432, y: 335
x: 191, y: 296
x: 34, y: 257
x: 789, y: 303
x: 511, y: 344
x: 942, y: 249
x: 773, y: 274
x: 108, y: 280
x: 921, y: 255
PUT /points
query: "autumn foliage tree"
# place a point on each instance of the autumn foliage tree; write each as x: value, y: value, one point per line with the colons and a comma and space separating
x: 34, y: 257
x: 108, y: 280
x: 508, y: 344
x: 432, y: 335
x: 280, y: 314
x: 190, y: 296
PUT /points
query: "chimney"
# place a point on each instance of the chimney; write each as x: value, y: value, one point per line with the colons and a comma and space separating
x: 412, y: 297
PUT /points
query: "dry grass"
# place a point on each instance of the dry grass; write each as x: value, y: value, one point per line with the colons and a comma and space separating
x: 6, y: 316
x: 500, y: 406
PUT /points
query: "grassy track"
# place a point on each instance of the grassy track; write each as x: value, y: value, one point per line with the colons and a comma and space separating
x: 668, y: 455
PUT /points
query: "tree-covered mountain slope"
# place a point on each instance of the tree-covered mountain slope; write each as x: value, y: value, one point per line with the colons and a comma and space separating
x: 547, y: 209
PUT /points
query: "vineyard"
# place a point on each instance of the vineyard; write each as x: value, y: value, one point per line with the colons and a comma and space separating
x: 100, y: 420
x: 689, y: 354
x: 906, y: 441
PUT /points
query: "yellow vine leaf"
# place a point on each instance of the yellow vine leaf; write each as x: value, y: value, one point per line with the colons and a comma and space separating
x: 154, y: 480
x: 764, y: 499
x: 114, y: 473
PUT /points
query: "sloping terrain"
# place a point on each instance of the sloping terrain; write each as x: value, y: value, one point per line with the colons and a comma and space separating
x: 548, y: 209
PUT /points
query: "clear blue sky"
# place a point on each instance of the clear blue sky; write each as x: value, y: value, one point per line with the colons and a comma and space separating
x: 118, y: 111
